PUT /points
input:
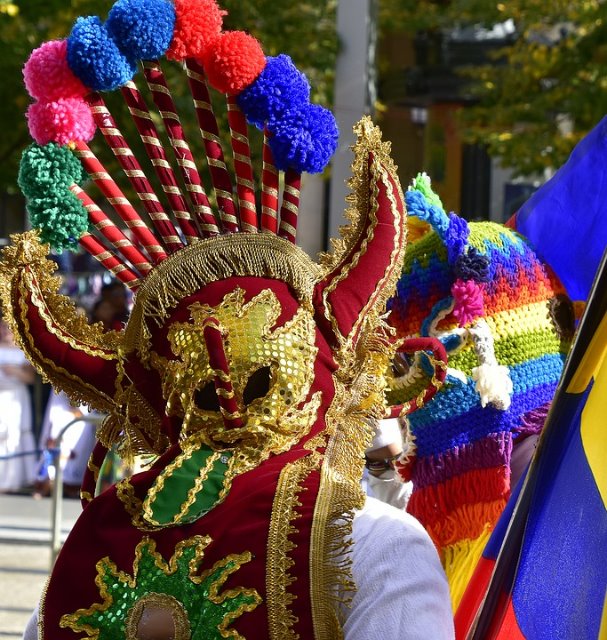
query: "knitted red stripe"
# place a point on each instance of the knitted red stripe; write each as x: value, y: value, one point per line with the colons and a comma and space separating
x: 474, y: 492
x: 117, y: 199
x: 290, y: 205
x: 214, y: 152
x: 239, y: 136
x: 219, y: 364
x: 155, y: 151
x: 269, y: 190
x: 111, y: 232
x: 183, y: 155
x: 135, y: 174
x: 109, y: 260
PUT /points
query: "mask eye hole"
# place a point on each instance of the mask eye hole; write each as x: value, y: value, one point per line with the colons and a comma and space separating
x: 258, y: 385
x: 206, y: 398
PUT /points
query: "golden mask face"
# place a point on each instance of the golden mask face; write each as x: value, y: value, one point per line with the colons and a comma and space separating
x: 271, y: 370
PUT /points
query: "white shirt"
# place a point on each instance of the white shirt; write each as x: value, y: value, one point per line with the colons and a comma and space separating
x: 402, y: 589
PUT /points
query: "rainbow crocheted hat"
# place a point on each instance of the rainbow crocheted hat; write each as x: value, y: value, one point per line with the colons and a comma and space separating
x: 506, y: 325
x: 249, y: 369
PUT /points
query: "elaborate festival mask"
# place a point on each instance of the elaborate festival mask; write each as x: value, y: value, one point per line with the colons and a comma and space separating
x: 235, y: 334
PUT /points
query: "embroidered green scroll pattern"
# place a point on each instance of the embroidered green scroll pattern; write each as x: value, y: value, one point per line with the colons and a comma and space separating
x: 195, y: 482
x: 199, y: 609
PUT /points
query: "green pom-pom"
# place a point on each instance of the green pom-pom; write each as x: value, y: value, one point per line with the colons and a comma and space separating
x: 49, y: 170
x: 61, y: 219
x: 423, y: 184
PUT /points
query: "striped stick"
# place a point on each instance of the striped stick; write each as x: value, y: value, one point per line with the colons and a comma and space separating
x: 149, y: 136
x: 239, y: 136
x: 132, y: 169
x: 290, y: 205
x: 111, y: 232
x: 218, y: 362
x: 166, y: 106
x: 117, y: 199
x: 209, y: 131
x: 269, y: 189
x: 93, y: 246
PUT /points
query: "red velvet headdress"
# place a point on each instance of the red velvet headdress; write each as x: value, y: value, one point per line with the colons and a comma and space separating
x: 248, y: 368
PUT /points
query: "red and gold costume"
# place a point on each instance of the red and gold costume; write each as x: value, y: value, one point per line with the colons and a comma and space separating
x: 248, y: 369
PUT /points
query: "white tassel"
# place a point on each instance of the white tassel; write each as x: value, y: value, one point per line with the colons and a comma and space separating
x: 494, y: 385
x: 493, y: 381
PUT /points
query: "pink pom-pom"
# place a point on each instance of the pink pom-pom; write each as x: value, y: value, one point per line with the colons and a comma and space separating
x: 233, y: 61
x: 47, y: 75
x: 62, y: 121
x: 468, y: 298
x: 197, y: 23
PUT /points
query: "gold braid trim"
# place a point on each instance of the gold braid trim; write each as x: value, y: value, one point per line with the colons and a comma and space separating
x: 26, y: 273
x: 359, y: 389
x: 185, y: 272
x: 279, y: 564
x: 369, y: 140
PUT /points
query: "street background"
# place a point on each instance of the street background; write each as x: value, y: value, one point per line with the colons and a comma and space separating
x: 25, y: 536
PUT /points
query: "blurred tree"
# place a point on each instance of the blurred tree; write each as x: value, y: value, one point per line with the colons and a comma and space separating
x: 544, y: 92
x: 306, y: 31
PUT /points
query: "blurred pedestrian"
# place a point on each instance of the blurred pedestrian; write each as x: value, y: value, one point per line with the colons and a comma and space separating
x: 117, y: 295
x: 17, y: 446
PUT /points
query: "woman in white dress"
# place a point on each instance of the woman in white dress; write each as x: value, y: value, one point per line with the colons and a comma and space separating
x: 17, y: 446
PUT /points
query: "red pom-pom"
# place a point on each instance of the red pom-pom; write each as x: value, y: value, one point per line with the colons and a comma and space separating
x: 63, y: 121
x: 197, y: 23
x: 233, y: 61
x: 47, y: 75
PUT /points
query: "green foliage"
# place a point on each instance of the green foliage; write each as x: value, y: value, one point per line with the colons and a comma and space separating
x: 548, y: 89
x: 305, y: 30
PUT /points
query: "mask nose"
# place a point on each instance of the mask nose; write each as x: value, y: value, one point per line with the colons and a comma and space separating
x: 214, y: 340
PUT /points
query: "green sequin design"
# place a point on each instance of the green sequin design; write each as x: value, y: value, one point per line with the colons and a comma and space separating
x: 190, y: 487
x: 209, y: 611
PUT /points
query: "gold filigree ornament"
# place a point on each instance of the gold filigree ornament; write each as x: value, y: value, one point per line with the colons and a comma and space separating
x: 271, y: 371
x: 171, y: 600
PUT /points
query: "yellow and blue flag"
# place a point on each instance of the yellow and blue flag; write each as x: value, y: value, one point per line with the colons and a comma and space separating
x: 546, y: 563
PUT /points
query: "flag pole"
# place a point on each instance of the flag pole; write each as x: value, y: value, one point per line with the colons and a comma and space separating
x: 581, y: 360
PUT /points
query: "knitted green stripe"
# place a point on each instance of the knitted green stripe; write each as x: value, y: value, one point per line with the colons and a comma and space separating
x: 512, y: 350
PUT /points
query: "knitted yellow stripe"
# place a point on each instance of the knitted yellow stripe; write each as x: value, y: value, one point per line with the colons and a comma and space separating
x: 460, y: 560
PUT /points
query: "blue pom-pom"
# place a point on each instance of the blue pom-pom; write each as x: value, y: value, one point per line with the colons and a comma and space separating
x: 279, y: 87
x: 304, y: 139
x: 95, y: 58
x: 142, y: 29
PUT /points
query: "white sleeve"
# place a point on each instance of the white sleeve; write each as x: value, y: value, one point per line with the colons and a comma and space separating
x: 402, y: 589
x: 31, y: 630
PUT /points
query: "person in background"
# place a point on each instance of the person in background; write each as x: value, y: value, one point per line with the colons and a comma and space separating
x: 17, y: 447
x: 380, y: 479
x: 103, y: 311
x: 116, y: 294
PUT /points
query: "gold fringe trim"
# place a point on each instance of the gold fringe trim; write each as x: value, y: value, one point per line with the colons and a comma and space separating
x: 184, y: 273
x: 359, y: 388
x: 279, y: 564
x: 369, y: 140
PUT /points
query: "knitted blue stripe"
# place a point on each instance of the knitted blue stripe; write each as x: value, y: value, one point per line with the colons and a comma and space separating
x: 477, y: 423
x: 458, y: 399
